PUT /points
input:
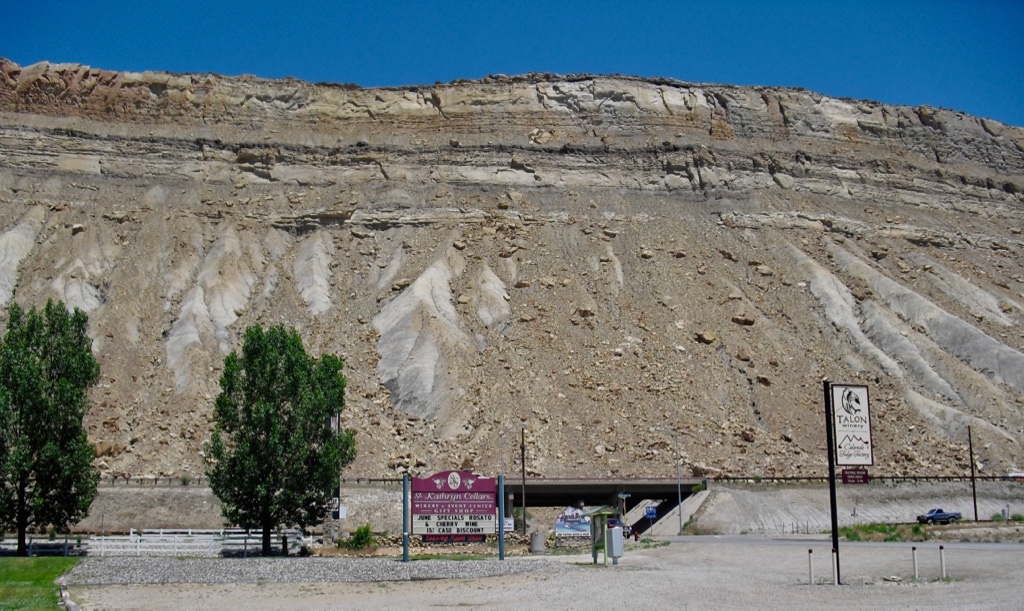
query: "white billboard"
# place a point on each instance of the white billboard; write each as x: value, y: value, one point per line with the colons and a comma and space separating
x: 851, y: 420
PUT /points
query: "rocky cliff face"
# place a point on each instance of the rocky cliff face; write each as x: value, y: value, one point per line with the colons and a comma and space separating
x: 622, y: 265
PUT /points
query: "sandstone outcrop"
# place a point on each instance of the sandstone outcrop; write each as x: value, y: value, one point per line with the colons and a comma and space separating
x: 633, y: 268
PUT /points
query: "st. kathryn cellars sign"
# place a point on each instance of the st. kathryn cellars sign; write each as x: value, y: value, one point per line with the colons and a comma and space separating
x: 455, y: 507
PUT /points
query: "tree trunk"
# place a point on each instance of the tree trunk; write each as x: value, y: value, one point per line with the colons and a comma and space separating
x: 22, y: 522
x: 266, y: 539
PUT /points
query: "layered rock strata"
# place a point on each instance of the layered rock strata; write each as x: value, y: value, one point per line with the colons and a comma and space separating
x: 633, y: 269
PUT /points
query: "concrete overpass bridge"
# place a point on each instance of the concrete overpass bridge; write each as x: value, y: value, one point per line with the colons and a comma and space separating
x: 625, y: 493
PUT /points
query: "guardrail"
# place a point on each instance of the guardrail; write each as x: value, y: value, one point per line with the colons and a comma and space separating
x: 747, y: 479
x: 393, y: 481
x: 188, y: 480
x: 180, y: 480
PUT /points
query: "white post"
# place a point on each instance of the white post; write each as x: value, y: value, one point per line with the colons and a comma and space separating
x: 810, y: 566
x: 913, y: 551
x: 942, y: 561
x: 835, y: 573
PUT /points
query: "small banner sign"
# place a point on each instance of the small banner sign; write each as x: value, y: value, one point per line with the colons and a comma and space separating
x: 855, y: 475
x: 572, y: 522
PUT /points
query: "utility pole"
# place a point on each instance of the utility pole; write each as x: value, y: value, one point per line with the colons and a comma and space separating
x: 679, y: 485
x: 522, y: 459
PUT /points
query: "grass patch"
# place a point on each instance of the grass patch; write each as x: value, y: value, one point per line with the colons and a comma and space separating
x: 27, y: 583
x: 650, y: 542
x: 362, y: 539
x: 878, y: 531
x: 569, y: 551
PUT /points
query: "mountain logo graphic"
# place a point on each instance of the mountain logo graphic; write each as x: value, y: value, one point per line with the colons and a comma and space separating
x: 853, y: 441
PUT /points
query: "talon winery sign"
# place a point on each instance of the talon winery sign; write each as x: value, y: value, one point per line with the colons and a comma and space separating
x: 852, y: 421
x: 454, y: 506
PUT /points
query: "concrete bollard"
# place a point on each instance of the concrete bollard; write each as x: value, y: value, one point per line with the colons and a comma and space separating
x: 810, y: 566
x: 913, y: 552
x: 942, y: 561
x: 835, y: 569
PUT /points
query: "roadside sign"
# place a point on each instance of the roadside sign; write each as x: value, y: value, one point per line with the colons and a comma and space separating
x: 851, y: 419
x: 651, y: 511
x: 454, y: 506
x: 856, y: 475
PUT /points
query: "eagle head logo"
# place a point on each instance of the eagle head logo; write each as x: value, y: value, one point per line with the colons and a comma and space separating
x: 851, y: 402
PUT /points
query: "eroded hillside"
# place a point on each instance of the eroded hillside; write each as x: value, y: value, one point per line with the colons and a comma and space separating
x: 620, y: 264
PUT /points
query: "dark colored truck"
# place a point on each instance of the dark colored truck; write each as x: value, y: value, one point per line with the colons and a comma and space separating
x: 938, y: 516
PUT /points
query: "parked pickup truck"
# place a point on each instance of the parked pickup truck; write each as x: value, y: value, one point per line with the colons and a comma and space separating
x: 938, y: 516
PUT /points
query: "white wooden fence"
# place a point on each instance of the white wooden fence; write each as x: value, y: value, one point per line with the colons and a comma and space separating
x: 161, y: 542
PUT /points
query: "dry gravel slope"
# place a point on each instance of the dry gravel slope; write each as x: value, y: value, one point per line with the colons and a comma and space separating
x: 622, y: 264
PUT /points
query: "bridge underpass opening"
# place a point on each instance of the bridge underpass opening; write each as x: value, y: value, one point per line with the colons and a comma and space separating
x: 667, y: 492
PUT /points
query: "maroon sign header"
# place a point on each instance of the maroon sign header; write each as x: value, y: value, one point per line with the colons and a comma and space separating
x: 454, y: 481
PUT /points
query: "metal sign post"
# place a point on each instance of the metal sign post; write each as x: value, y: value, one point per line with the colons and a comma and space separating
x: 974, y: 488
x: 501, y: 517
x: 405, y: 517
x: 848, y: 436
x: 522, y: 459
x: 831, y: 475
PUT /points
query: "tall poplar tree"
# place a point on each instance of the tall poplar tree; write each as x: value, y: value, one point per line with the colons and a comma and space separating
x: 46, y: 370
x: 273, y: 459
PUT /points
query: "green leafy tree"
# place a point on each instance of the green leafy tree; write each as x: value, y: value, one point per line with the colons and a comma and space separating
x: 273, y: 460
x: 46, y: 369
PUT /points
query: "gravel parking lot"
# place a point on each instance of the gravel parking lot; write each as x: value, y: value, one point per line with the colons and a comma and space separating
x: 689, y: 572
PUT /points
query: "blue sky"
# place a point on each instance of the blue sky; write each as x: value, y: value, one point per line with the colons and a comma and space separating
x: 966, y: 55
